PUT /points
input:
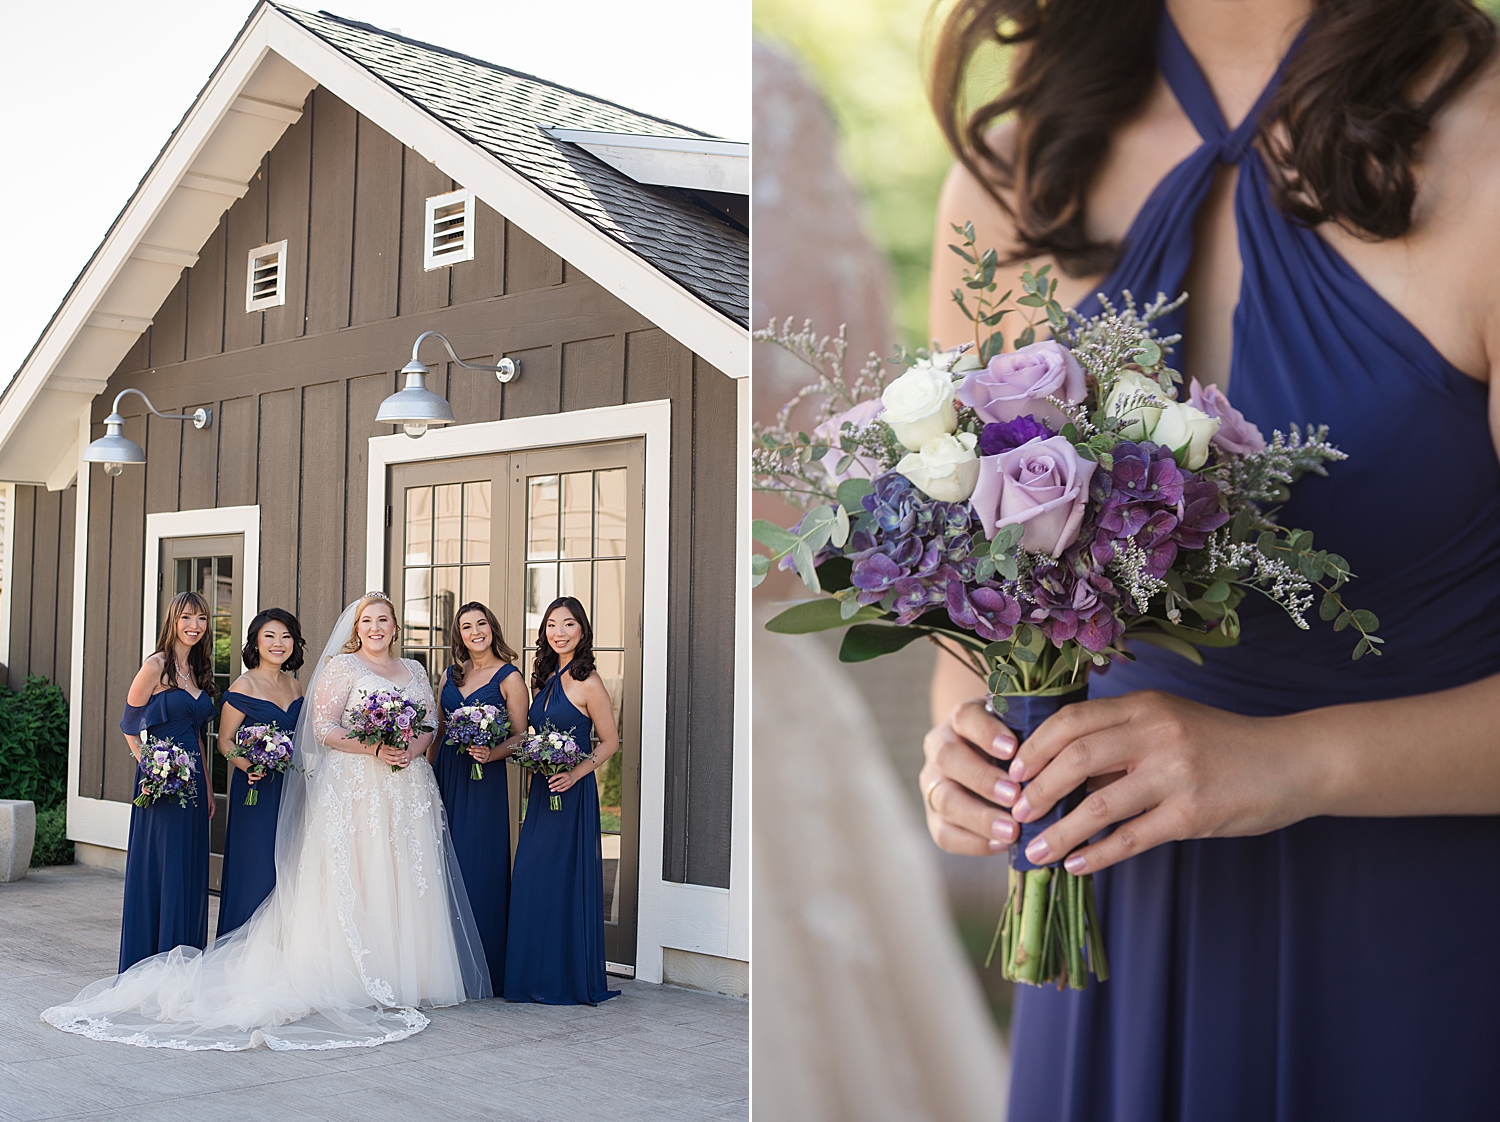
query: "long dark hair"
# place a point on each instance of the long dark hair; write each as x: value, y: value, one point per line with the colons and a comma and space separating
x: 1342, y: 132
x: 250, y: 652
x: 546, y: 658
x: 461, y: 652
x: 200, y: 655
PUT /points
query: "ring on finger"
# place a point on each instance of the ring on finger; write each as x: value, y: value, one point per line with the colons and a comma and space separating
x: 927, y: 793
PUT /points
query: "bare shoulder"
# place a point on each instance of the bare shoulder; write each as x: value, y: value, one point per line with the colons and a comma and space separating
x: 1460, y: 170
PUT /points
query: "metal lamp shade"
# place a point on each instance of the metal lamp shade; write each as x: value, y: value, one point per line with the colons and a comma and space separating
x: 415, y: 407
x: 114, y: 447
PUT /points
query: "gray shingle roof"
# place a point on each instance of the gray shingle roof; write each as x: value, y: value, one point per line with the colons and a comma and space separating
x: 503, y: 112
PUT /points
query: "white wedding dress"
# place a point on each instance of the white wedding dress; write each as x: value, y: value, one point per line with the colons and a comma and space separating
x: 368, y: 921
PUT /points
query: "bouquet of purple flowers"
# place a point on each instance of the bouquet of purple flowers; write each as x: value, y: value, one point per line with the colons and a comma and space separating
x: 480, y: 726
x: 166, y: 770
x: 1036, y: 512
x: 267, y: 748
x: 550, y: 751
x: 385, y: 718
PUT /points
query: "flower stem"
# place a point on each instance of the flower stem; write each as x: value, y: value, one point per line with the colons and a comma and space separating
x: 1033, y: 925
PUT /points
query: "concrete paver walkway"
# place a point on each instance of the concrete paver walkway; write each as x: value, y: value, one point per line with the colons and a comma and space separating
x: 653, y: 1053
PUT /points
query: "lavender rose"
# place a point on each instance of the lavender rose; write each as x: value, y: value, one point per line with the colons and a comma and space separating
x: 1043, y: 486
x: 1236, y: 435
x: 1017, y: 384
x: 860, y: 467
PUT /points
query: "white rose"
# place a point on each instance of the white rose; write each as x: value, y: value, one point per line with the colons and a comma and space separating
x: 1141, y: 418
x: 919, y: 406
x: 946, y: 469
x: 1186, y: 431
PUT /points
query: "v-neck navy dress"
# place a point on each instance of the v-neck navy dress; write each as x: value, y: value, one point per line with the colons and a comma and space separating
x: 166, y: 865
x: 555, y: 950
x: 479, y: 820
x: 1338, y: 969
x: 249, y: 871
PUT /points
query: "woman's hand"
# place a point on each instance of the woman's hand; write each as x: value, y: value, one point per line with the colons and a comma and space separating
x: 1166, y: 768
x: 961, y: 783
x: 490, y: 753
x: 560, y: 782
x: 396, y: 757
x: 254, y: 773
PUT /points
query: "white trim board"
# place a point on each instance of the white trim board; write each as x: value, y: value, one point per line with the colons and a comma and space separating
x: 668, y: 914
x: 7, y: 569
x: 274, y: 63
x: 209, y: 521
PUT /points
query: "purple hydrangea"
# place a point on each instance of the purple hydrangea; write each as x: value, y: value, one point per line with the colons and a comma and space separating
x: 1002, y: 436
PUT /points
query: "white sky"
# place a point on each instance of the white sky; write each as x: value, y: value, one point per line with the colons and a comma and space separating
x: 92, y: 89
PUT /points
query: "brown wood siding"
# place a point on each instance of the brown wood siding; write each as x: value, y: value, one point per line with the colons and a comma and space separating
x: 294, y: 408
x: 41, y: 591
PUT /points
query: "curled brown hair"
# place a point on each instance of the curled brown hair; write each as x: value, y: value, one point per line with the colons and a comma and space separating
x: 461, y: 653
x: 200, y: 655
x: 545, y: 661
x: 1342, y: 131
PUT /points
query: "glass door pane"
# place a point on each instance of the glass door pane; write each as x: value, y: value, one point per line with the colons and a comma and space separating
x: 445, y: 563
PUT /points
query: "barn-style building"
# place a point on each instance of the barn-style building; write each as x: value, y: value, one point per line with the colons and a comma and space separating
x: 334, y: 192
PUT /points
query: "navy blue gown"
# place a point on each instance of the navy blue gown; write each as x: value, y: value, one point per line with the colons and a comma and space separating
x: 1336, y: 969
x: 166, y: 866
x: 555, y: 950
x: 249, y: 871
x: 479, y: 820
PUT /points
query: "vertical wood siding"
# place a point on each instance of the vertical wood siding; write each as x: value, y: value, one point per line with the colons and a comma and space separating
x: 295, y: 389
x: 41, y: 589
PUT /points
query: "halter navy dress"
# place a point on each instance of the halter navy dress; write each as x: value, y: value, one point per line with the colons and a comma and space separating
x: 249, y: 871
x: 555, y: 950
x: 479, y: 820
x: 1339, y: 968
x: 166, y: 865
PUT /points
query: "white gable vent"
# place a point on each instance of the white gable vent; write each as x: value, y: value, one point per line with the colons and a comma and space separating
x: 265, y: 277
x: 450, y: 229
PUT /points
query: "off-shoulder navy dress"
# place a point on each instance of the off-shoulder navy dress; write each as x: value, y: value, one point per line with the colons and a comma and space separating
x: 1341, y: 968
x: 555, y: 950
x: 166, y: 866
x: 249, y: 871
x: 479, y: 820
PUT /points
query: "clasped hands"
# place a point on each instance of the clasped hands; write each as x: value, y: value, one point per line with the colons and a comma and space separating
x: 1157, y: 768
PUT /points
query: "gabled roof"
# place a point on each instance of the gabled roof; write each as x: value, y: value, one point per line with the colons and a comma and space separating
x: 654, y: 248
x: 506, y: 112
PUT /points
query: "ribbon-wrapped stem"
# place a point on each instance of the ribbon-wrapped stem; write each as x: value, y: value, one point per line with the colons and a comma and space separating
x: 1049, y: 929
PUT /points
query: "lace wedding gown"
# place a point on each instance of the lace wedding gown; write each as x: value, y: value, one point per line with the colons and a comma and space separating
x: 369, y: 919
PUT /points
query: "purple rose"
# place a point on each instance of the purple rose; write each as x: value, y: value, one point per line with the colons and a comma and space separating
x: 1043, y: 486
x: 403, y: 720
x: 1236, y: 435
x: 1019, y: 383
x: 1002, y: 436
x: 861, y: 467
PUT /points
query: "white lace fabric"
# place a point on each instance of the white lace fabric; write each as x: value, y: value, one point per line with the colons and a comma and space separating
x: 368, y: 922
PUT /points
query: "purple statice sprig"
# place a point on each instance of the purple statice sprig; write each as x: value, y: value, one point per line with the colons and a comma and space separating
x: 387, y: 718
x: 166, y: 771
x: 550, y: 751
x: 477, y: 726
x: 267, y: 748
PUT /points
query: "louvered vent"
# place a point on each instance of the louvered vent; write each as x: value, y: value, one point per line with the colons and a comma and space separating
x: 450, y: 229
x: 265, y: 277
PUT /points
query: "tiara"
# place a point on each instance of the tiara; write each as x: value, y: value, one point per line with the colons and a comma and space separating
x: 376, y: 594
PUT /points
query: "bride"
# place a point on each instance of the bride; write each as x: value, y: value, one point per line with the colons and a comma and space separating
x: 369, y: 919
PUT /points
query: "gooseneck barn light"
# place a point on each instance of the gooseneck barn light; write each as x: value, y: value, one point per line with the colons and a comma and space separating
x: 414, y: 407
x: 114, y: 449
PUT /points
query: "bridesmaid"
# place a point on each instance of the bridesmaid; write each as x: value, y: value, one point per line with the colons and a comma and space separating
x: 479, y: 809
x: 555, y: 952
x: 166, y: 867
x: 266, y: 694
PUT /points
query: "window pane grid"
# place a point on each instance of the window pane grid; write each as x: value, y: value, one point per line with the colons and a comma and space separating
x: 447, y: 555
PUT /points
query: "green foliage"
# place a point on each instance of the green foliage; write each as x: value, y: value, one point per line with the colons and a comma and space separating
x: 52, y: 846
x: 864, y: 57
x: 609, y: 783
x: 34, y: 744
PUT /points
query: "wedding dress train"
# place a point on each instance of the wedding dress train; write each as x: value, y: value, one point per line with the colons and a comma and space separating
x: 368, y: 921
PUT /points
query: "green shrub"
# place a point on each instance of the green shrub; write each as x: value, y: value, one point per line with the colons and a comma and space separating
x: 609, y: 782
x: 34, y: 744
x: 52, y: 845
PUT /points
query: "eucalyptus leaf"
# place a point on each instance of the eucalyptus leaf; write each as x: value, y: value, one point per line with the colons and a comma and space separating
x: 871, y: 640
x: 852, y: 492
x: 1329, y: 608
x: 1169, y: 643
x: 760, y: 565
x: 1366, y: 620
x: 822, y: 614
x: 769, y: 534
